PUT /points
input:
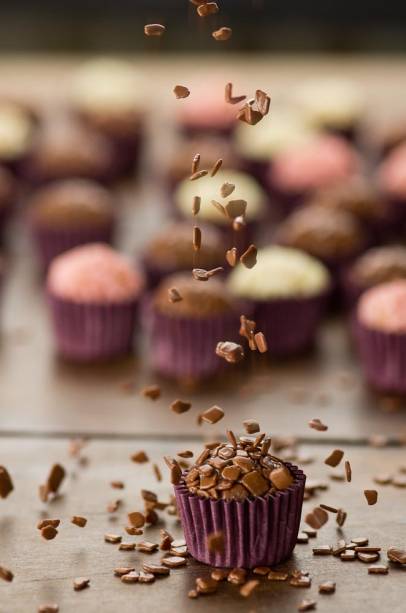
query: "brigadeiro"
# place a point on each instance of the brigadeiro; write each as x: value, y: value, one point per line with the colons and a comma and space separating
x: 65, y: 149
x: 288, y: 292
x: 208, y: 189
x: 109, y: 95
x: 93, y: 293
x: 332, y: 104
x: 375, y: 266
x: 331, y: 235
x: 321, y: 161
x: 359, y: 197
x: 380, y: 334
x: 69, y: 213
x: 172, y: 251
x: 391, y: 177
x: 17, y: 132
x: 8, y: 197
x: 239, y: 505
x: 185, y: 325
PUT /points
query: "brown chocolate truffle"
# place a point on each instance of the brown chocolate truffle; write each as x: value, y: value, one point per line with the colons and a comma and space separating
x: 329, y: 234
x: 379, y: 265
x: 73, y: 203
x: 199, y: 299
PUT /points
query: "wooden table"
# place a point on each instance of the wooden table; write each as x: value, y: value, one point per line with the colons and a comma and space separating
x: 44, y: 402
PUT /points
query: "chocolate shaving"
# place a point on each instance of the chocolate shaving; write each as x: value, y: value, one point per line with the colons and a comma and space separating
x: 81, y: 583
x: 248, y: 587
x: 198, y: 175
x: 236, y: 208
x: 348, y: 471
x: 140, y: 457
x: 219, y: 207
x: 6, y: 574
x: 174, y: 295
x: 371, y: 496
x: 249, y: 257
x: 181, y: 91
x: 79, y: 521
x: 318, y: 425
x: 212, y: 415
x: 179, y: 406
x: 231, y: 352
x: 200, y: 274
x: 229, y: 95
x: 216, y: 167
x: 154, y: 29
x: 232, y: 256
x: 6, y: 484
x: 334, y: 458
x: 151, y: 391
x: 195, y: 163
x: 251, y: 426
x: 207, y: 8
x: 222, y: 34
x: 260, y: 342
x: 226, y: 189
x: 197, y: 238
x: 196, y: 205
x: 263, y: 102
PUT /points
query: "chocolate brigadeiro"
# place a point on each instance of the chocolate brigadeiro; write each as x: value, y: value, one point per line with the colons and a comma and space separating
x: 69, y: 213
x: 231, y: 486
x: 172, y: 251
x: 184, y: 333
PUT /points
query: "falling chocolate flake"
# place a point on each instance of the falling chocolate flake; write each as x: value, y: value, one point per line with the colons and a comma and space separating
x: 140, y: 457
x: 181, y: 91
x: 228, y: 95
x: 55, y: 478
x: 249, y: 115
x: 200, y: 274
x: 348, y: 471
x: 317, y: 518
x: 341, y: 517
x: 207, y: 8
x: 154, y: 29
x: 113, y: 506
x: 174, y: 295
x: 197, y: 238
x: 185, y: 454
x: 231, y: 352
x: 212, y: 415
x: 48, y: 522
x: 198, y: 175
x: 334, y: 458
x: 6, y: 574
x: 49, y: 533
x: 251, y: 426
x: 151, y: 391
x: 216, y: 167
x: 79, y: 521
x: 318, y: 425
x: 226, y: 189
x: 6, y: 484
x: 195, y: 163
x: 157, y: 472
x: 263, y: 102
x: 371, y: 496
x: 260, y: 342
x: 236, y: 208
x: 196, y: 205
x: 136, y: 519
x: 328, y: 508
x: 222, y: 34
x: 249, y: 257
x: 232, y: 256
x: 179, y: 406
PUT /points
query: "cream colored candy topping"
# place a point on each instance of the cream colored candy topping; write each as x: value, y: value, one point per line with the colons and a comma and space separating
x: 283, y: 130
x: 333, y: 102
x: 208, y: 188
x: 16, y: 131
x: 280, y: 272
x: 107, y: 86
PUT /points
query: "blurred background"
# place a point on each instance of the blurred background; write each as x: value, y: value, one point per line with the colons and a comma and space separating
x: 90, y: 25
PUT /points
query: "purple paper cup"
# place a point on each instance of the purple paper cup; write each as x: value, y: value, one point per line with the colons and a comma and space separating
x: 86, y: 332
x: 184, y: 348
x: 257, y: 532
x: 383, y: 358
x: 290, y: 324
x: 51, y: 242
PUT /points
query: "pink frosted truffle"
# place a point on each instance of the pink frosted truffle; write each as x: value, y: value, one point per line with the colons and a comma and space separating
x: 320, y: 162
x: 392, y: 173
x: 94, y: 274
x: 383, y: 307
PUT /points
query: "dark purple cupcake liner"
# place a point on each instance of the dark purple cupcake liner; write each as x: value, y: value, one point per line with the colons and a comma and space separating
x: 290, y: 324
x: 257, y: 532
x: 383, y: 357
x: 51, y: 242
x: 183, y: 348
x: 87, y: 332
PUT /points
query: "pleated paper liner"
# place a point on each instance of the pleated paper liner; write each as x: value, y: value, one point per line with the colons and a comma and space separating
x: 383, y: 357
x: 88, y: 332
x: 260, y: 531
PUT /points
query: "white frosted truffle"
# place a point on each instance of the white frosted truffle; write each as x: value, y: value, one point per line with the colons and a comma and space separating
x: 283, y: 130
x: 208, y: 188
x: 16, y: 131
x: 330, y: 102
x: 107, y: 85
x: 280, y: 272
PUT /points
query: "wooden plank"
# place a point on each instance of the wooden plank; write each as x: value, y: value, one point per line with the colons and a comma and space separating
x: 44, y: 570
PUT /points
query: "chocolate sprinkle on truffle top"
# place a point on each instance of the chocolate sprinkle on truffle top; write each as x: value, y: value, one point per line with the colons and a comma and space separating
x: 242, y: 468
